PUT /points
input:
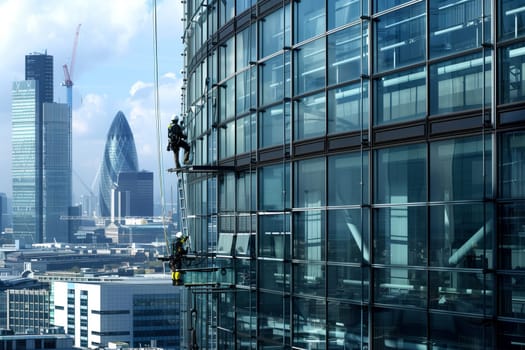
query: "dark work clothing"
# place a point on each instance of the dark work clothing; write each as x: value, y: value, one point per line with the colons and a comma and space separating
x: 176, y: 142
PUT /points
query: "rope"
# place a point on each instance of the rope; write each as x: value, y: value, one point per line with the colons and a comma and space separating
x: 158, y: 126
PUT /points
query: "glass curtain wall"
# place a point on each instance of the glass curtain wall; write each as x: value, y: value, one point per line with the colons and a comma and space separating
x: 368, y: 189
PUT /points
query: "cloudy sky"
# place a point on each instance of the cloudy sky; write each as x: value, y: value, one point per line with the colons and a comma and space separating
x: 114, y: 70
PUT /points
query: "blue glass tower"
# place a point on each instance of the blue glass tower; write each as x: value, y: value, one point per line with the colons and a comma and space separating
x: 120, y: 155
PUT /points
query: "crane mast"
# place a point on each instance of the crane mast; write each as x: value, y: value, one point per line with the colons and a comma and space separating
x: 68, y: 73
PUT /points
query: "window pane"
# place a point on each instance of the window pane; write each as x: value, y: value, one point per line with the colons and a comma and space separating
x: 348, y: 179
x: 246, y: 91
x: 227, y: 140
x: 274, y: 191
x: 226, y: 11
x: 456, y: 26
x: 246, y: 190
x: 274, y: 318
x: 274, y: 31
x: 341, y: 12
x: 348, y: 235
x: 399, y: 329
x: 458, y: 169
x: 309, y: 19
x: 512, y: 242
x: 461, y: 235
x: 400, y: 174
x: 459, y: 84
x: 310, y: 66
x: 227, y: 192
x: 401, y: 97
x: 347, y: 54
x: 274, y: 275
x: 400, y: 286
x: 400, y: 38
x: 348, y: 108
x: 274, y: 236
x: 246, y: 47
x: 274, y: 126
x: 348, y: 283
x: 242, y: 5
x: 309, y: 279
x: 511, y: 19
x: 309, y: 237
x: 457, y: 332
x: 275, y: 79
x: 347, y: 326
x: 381, y: 5
x: 512, y: 295
x: 400, y: 236
x: 311, y: 330
x: 309, y: 183
x: 246, y: 134
x: 227, y: 100
x: 309, y: 118
x: 512, y: 165
x: 227, y: 58
x: 512, y: 73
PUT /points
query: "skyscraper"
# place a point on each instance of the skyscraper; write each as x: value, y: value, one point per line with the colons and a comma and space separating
x: 136, y: 193
x: 41, y: 155
x: 378, y: 147
x: 120, y: 155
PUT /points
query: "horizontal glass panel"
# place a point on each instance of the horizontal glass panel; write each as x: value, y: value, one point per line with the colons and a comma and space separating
x: 309, y: 235
x: 273, y: 318
x: 460, y: 169
x: 512, y: 73
x: 400, y: 174
x: 341, y: 12
x: 401, y: 97
x: 309, y: 67
x: 348, y: 108
x: 347, y: 54
x: 400, y: 236
x: 274, y: 31
x: 347, y: 326
x: 274, y: 125
x: 399, y: 286
x: 511, y: 21
x: 460, y: 84
x: 274, y: 236
x: 461, y: 235
x: 401, y: 38
x: 274, y: 275
x: 465, y: 292
x: 348, y: 179
x: 399, y: 329
x: 348, y: 283
x: 309, y: 323
x: 309, y: 279
x: 310, y: 117
x: 309, y: 19
x: 512, y: 236
x: 309, y: 183
x: 348, y: 235
x: 274, y: 187
x: 274, y: 82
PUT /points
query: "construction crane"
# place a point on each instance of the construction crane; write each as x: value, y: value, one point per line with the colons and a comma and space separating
x: 68, y: 73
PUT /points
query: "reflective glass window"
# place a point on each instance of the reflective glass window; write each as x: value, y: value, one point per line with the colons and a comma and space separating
x: 274, y: 187
x: 400, y: 174
x: 381, y: 5
x: 456, y: 25
x: 348, y: 179
x: 212, y: 18
x: 347, y: 326
x: 461, y: 235
x: 457, y: 332
x: 246, y: 190
x: 399, y: 329
x: 512, y: 73
x: 312, y: 329
x: 274, y: 126
x: 246, y: 309
x: 274, y: 31
x: 227, y: 58
x: 341, y: 12
x: 274, y: 236
x: 465, y: 292
x: 460, y: 84
x: 309, y: 120
x: 246, y: 134
x: 242, y: 5
x: 227, y: 192
x: 309, y: 19
x: 347, y: 54
x: 460, y: 169
x: 401, y: 97
x: 400, y: 286
x: 227, y: 100
x: 401, y: 38
x: 226, y: 11
x: 512, y: 238
x: 273, y: 318
x: 348, y: 236
x: 246, y: 90
x: 274, y: 275
x: 309, y: 183
x: 227, y: 140
x: 245, y: 43
x: 348, y: 283
x: 511, y: 19
x: 348, y: 108
x: 400, y: 236
x: 274, y: 82
x: 310, y: 66
x: 309, y: 236
x: 309, y: 279
x: 512, y: 294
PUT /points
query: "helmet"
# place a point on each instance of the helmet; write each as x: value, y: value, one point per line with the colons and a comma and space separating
x: 174, y: 118
x: 178, y: 235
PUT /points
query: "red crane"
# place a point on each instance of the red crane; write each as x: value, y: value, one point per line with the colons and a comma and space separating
x: 68, y: 74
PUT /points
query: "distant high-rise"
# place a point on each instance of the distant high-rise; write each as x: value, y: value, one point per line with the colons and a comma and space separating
x: 41, y: 155
x: 4, y: 213
x: 136, y: 193
x: 120, y: 155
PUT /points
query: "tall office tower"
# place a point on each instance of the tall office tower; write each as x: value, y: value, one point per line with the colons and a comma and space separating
x: 135, y: 191
x: 39, y: 67
x: 3, y: 212
x: 359, y: 172
x: 120, y: 155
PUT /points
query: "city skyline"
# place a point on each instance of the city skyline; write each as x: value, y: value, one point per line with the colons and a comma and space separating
x: 114, y: 71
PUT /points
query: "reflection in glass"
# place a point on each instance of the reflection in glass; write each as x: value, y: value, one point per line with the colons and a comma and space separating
x: 246, y: 91
x: 274, y: 318
x: 309, y: 183
x: 457, y: 332
x: 348, y: 179
x: 309, y: 117
x: 348, y: 108
x: 400, y: 286
x: 246, y: 134
x: 274, y: 82
x: 274, y: 125
x: 274, y: 31
x: 245, y: 42
x: 274, y: 236
x: 512, y: 165
x: 512, y: 73
x: 275, y: 276
x: 309, y: 237
x: 309, y: 279
x: 309, y: 19
x: 274, y: 187
x: 348, y: 283
x: 341, y: 12
x: 511, y: 21
x: 309, y: 323
x: 512, y: 236
x: 399, y: 329
x: 310, y: 64
x: 347, y: 54
x: 348, y: 235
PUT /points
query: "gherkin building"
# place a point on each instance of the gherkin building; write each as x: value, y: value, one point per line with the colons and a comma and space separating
x: 120, y: 155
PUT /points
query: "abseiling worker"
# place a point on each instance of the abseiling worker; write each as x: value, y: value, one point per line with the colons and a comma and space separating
x: 177, y: 140
x: 177, y: 253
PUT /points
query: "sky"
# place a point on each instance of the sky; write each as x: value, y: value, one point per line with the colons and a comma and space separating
x: 113, y: 71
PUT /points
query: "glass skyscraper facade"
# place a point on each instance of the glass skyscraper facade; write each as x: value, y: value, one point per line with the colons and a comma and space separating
x: 120, y: 155
x: 368, y: 187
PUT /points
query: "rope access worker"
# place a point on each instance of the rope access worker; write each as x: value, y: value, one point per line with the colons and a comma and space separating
x: 177, y: 253
x: 177, y: 140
